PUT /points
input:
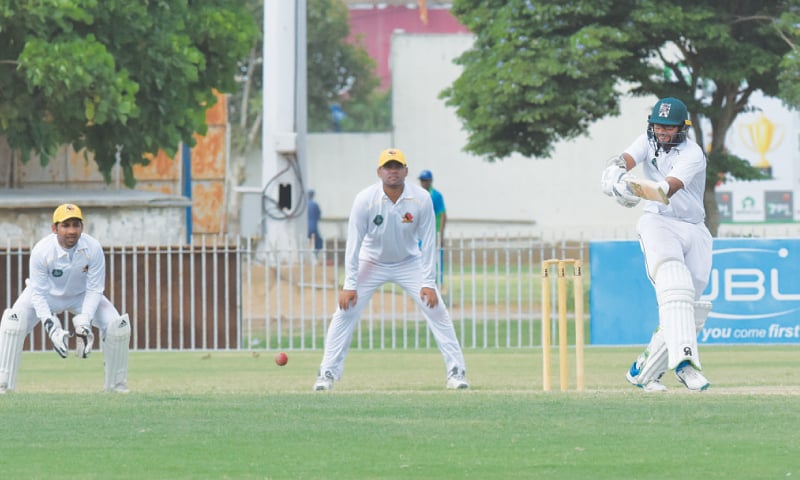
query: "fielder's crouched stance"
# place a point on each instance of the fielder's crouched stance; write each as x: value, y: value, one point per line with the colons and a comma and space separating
x: 391, y: 237
x: 676, y: 244
x: 67, y: 274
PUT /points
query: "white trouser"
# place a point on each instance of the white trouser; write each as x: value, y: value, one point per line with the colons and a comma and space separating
x: 370, y: 277
x: 664, y: 238
x: 105, y: 314
x: 115, y: 335
x: 671, y: 242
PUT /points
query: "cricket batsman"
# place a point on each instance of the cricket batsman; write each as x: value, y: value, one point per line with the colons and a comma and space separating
x: 674, y: 239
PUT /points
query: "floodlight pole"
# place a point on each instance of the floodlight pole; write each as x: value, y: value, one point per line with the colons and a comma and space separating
x: 284, y: 126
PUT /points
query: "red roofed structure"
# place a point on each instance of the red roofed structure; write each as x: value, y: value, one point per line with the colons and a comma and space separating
x: 372, y: 24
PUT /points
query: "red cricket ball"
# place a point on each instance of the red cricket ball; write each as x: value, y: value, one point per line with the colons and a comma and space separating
x: 281, y: 359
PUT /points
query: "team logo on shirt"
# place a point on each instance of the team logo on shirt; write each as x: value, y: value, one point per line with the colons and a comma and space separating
x: 408, y: 218
x: 377, y: 220
x: 57, y: 273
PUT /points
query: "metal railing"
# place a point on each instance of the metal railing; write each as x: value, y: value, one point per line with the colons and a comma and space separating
x: 219, y: 295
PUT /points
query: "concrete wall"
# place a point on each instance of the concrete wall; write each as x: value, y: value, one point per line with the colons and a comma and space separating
x: 118, y: 218
x: 339, y: 166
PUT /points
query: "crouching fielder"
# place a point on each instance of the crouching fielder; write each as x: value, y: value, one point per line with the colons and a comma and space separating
x: 391, y: 237
x: 67, y: 274
x: 674, y: 239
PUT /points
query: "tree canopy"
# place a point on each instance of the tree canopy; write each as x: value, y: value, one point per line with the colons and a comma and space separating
x: 340, y: 74
x: 541, y: 71
x: 103, y: 74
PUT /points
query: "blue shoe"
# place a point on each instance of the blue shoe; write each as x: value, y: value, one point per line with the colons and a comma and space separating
x: 632, y: 374
x: 651, y: 386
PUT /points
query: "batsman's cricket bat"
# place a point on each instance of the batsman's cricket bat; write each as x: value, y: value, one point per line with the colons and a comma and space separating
x: 647, y: 189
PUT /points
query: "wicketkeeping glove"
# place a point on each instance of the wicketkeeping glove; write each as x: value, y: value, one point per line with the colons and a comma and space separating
x: 83, y: 334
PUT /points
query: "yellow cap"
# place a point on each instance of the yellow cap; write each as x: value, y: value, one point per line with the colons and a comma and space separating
x: 392, y: 155
x: 67, y: 211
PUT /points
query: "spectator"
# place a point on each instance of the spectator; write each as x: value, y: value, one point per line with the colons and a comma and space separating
x: 314, y: 214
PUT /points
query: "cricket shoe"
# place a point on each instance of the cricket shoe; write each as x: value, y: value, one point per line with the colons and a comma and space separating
x: 691, y: 377
x: 651, y: 386
x: 324, y: 381
x: 121, y: 387
x: 457, y: 379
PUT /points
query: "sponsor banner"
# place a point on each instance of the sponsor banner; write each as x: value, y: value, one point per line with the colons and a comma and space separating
x: 764, y: 136
x: 754, y: 288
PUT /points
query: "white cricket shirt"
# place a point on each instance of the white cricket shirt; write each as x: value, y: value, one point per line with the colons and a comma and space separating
x: 56, y: 277
x: 687, y: 163
x: 383, y: 232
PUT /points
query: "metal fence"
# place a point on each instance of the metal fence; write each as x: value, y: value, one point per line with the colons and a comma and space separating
x: 220, y: 295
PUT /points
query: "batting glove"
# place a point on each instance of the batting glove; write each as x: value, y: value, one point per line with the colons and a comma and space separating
x: 623, y: 193
x: 615, y: 169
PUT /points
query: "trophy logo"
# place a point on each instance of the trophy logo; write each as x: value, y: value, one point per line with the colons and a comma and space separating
x: 762, y: 136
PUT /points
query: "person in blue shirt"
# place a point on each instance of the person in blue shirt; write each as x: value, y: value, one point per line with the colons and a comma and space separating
x: 314, y: 214
x: 426, y: 181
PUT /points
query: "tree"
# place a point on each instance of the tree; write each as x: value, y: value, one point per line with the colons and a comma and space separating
x: 541, y: 71
x: 115, y: 76
x: 340, y: 73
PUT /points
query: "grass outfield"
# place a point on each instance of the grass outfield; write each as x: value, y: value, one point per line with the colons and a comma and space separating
x: 236, y: 415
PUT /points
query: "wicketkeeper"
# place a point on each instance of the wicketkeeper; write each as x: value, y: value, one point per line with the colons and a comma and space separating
x: 67, y: 274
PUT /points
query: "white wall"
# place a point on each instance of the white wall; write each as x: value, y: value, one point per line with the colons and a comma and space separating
x: 561, y: 194
x: 118, y: 218
x: 339, y: 165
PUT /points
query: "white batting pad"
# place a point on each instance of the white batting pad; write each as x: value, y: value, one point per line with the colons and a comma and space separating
x: 653, y: 362
x: 701, y: 311
x: 12, y: 337
x: 115, y: 353
x: 675, y: 293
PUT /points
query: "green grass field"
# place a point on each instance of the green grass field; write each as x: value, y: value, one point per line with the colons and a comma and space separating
x: 232, y: 415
